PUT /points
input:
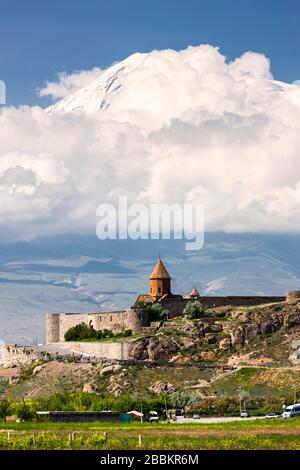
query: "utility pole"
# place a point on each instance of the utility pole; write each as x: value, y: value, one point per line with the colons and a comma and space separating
x: 168, y: 419
x: 240, y: 398
x: 295, y: 394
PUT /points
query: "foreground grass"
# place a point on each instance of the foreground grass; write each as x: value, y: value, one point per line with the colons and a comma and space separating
x: 250, y: 435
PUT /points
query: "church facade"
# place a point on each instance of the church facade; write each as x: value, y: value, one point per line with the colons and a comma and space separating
x: 137, y: 318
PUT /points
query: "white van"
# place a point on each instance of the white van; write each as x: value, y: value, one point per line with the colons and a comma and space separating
x: 291, y: 411
x: 153, y: 417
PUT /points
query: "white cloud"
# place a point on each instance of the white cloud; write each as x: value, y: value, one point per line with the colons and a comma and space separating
x: 67, y: 84
x: 174, y: 127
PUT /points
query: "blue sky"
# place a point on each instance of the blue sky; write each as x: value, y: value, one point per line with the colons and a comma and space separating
x: 40, y: 38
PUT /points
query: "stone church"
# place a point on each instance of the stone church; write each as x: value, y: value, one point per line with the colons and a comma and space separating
x: 137, y: 316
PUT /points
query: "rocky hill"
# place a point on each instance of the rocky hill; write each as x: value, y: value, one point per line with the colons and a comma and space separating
x: 254, y: 347
x: 256, y: 335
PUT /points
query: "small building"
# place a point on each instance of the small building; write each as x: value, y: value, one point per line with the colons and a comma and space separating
x: 136, y: 415
x: 83, y: 416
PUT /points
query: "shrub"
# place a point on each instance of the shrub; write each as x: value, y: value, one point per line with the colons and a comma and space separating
x: 157, y: 312
x: 140, y: 304
x: 79, y: 332
x: 180, y: 399
x: 83, y: 332
x: 25, y: 412
x: 5, y: 409
x: 94, y: 402
x: 195, y: 309
x: 126, y: 333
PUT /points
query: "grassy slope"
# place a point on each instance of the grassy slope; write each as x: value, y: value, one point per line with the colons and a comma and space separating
x: 259, y: 382
x: 70, y: 377
x: 61, y: 377
x: 64, y: 377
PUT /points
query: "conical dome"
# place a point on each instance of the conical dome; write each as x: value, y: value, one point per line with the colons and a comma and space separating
x: 194, y: 293
x: 159, y: 271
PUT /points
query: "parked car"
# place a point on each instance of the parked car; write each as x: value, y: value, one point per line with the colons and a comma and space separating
x: 153, y: 417
x: 244, y: 414
x: 195, y: 416
x: 272, y: 415
x: 291, y: 411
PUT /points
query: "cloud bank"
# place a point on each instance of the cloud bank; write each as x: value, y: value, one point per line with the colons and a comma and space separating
x: 67, y: 84
x: 167, y: 126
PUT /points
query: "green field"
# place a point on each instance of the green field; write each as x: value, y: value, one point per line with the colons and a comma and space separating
x: 251, y: 435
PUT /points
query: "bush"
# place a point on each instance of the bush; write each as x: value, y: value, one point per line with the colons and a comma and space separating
x: 126, y: 333
x: 181, y: 399
x: 195, y: 310
x: 83, y: 332
x: 79, y: 332
x: 25, y: 412
x: 140, y: 304
x: 5, y: 409
x: 94, y: 402
x: 213, y: 406
x: 157, y: 312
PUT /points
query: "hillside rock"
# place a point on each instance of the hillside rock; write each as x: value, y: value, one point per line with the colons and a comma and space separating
x: 225, y: 344
x: 160, y: 387
x: 237, y: 336
x: 88, y: 388
x: 110, y: 369
x: 179, y: 359
x: 139, y: 349
x: 118, y: 387
x: 154, y: 348
x: 208, y: 356
x: 204, y: 340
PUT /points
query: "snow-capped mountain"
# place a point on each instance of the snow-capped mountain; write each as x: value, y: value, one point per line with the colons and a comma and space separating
x: 155, y: 87
x: 99, y: 94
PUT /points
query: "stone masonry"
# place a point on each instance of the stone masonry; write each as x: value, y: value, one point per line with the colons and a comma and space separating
x: 57, y: 324
x: 137, y: 317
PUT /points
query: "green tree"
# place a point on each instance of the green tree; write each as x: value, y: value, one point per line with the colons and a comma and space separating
x: 195, y: 309
x: 5, y: 409
x: 180, y: 399
x: 157, y: 312
x: 25, y: 412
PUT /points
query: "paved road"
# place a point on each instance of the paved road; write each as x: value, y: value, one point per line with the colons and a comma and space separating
x: 221, y: 419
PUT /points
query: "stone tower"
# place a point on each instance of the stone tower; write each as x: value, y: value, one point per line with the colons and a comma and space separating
x: 160, y: 281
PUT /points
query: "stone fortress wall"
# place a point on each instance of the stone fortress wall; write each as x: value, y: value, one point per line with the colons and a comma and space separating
x: 135, y: 319
x: 177, y: 305
x: 12, y: 355
x: 119, y: 350
x: 57, y: 324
